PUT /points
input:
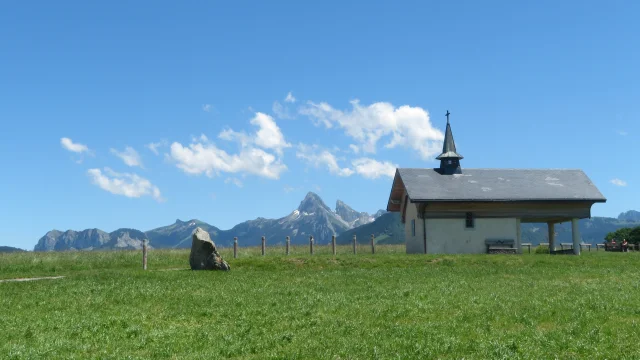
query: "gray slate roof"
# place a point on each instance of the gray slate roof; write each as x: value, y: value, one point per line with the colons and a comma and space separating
x: 500, y: 185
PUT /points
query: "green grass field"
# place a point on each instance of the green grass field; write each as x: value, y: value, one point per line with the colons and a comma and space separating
x: 389, y: 305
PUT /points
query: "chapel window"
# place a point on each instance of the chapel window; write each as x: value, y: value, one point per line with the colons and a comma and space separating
x: 469, y: 220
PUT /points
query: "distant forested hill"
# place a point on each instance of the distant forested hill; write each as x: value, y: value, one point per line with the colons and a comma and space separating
x: 6, y: 249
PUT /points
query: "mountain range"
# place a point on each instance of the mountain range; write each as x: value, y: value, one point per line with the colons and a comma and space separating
x: 312, y: 218
x: 90, y: 239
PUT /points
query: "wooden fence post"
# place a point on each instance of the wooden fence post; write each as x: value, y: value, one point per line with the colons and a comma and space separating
x: 264, y: 244
x: 354, y: 244
x: 287, y: 244
x: 373, y: 244
x: 333, y: 244
x: 144, y: 254
x: 311, y: 244
x: 235, y: 247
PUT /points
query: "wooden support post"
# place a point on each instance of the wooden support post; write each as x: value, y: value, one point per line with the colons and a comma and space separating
x: 552, y: 237
x: 333, y: 244
x: 235, y: 247
x: 373, y: 244
x: 287, y: 244
x: 264, y: 245
x: 518, y: 236
x: 355, y: 244
x: 575, y: 233
x: 144, y: 254
x: 311, y: 244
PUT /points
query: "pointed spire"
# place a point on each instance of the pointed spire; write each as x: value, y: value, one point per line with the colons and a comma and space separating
x: 449, y: 159
x: 449, y: 146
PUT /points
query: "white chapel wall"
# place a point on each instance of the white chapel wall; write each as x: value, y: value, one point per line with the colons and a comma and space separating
x: 449, y: 236
x: 414, y: 244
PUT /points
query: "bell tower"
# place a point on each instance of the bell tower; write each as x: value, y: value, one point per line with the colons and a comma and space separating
x: 449, y: 159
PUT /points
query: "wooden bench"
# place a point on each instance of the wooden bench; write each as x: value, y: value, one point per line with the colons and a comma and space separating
x: 585, y: 244
x: 598, y: 246
x: 568, y: 245
x: 528, y: 245
x: 500, y: 246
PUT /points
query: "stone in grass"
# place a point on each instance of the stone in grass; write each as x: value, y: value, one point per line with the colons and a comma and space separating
x: 204, y: 255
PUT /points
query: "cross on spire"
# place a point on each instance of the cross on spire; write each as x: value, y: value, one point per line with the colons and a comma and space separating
x: 447, y: 115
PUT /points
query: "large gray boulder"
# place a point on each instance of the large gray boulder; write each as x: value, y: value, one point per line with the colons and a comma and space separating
x: 204, y: 255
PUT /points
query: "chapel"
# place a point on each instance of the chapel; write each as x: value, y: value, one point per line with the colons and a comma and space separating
x: 454, y: 210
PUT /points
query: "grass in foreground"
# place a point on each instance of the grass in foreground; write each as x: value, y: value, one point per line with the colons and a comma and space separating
x: 387, y: 305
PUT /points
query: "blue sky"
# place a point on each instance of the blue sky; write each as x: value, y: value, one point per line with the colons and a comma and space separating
x: 250, y: 105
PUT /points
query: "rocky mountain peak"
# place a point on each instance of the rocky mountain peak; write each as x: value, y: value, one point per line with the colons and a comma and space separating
x: 379, y: 213
x: 346, y: 212
x: 631, y: 216
x: 312, y: 203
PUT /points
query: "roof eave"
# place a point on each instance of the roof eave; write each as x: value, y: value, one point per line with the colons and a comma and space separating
x: 393, y: 183
x: 449, y: 156
x: 504, y: 200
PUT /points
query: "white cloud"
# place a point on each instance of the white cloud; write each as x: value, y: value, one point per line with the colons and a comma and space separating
x: 204, y: 157
x: 129, y: 185
x: 268, y: 135
x: 234, y: 181
x: 405, y: 125
x: 281, y: 112
x: 354, y: 148
x: 373, y: 169
x: 319, y: 157
x: 73, y: 147
x: 130, y: 156
x: 365, y: 167
x: 618, y: 182
x: 202, y: 138
x: 623, y: 133
x: 231, y: 135
x: 155, y: 146
x: 290, y: 98
x: 206, y: 107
